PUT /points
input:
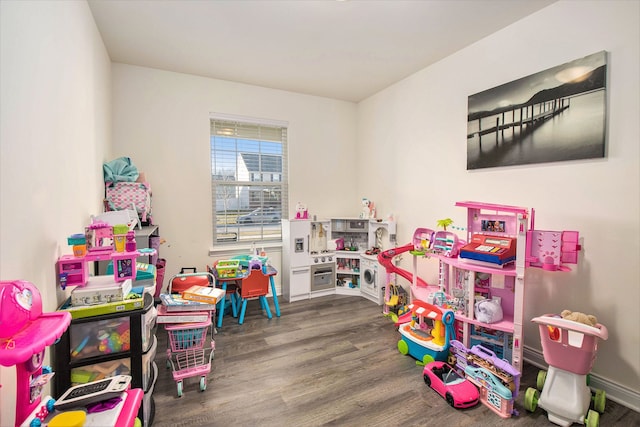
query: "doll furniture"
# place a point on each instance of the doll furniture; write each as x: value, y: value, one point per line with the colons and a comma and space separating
x: 499, y: 244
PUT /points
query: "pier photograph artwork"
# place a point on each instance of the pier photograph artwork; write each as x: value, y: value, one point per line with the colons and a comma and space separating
x: 555, y: 115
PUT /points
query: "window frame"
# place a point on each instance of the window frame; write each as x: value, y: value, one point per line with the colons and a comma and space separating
x: 252, y: 132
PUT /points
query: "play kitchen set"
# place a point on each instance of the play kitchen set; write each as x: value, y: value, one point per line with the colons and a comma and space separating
x: 327, y: 256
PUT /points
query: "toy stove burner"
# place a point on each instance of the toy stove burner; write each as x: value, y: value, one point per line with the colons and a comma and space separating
x: 322, y: 257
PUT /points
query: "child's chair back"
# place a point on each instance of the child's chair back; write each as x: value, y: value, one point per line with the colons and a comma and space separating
x: 254, y: 285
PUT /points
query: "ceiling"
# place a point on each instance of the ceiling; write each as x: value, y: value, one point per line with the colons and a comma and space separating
x: 346, y: 50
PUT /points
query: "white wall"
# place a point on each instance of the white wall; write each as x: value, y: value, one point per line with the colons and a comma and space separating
x: 54, y: 132
x: 161, y: 121
x: 418, y: 129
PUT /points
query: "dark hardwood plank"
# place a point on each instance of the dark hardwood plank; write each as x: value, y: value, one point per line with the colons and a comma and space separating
x: 326, y: 361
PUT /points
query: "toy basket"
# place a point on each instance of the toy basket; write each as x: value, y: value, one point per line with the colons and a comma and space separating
x: 569, y: 345
x: 245, y: 260
x: 228, y: 269
x: 187, y: 336
x: 186, y: 355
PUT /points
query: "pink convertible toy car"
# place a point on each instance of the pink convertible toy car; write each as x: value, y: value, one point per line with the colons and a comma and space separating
x: 455, y: 389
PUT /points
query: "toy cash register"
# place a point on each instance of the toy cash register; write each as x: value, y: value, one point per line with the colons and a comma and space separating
x: 495, y: 251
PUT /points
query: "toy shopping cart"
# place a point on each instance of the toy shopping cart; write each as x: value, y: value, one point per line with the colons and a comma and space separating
x: 570, y: 349
x: 187, y: 356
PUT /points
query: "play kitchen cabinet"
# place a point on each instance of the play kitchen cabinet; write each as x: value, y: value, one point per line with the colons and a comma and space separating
x: 100, y: 346
x: 350, y: 234
x: 348, y: 273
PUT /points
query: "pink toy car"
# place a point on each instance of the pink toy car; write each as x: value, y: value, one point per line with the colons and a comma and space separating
x: 455, y: 389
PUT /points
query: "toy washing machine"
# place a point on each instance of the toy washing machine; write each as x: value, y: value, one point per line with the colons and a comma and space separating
x: 373, y: 278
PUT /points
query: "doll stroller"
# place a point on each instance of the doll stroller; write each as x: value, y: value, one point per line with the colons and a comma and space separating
x: 570, y: 349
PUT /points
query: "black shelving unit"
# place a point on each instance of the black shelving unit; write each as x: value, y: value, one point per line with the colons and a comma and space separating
x: 89, y: 351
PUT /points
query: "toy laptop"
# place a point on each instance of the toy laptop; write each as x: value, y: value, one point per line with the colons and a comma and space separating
x: 101, y: 290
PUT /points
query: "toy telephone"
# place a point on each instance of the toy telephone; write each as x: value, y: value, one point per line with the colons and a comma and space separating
x: 493, y: 250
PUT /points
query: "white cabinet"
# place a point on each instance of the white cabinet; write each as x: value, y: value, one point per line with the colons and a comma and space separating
x: 348, y: 273
x: 298, y: 284
x: 352, y: 236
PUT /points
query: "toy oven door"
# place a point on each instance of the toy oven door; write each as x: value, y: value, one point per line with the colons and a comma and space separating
x: 323, y: 276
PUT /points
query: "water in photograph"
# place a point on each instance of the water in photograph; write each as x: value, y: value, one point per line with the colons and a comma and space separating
x: 578, y: 132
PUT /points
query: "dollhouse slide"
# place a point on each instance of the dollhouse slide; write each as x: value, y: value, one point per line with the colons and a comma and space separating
x: 385, y: 259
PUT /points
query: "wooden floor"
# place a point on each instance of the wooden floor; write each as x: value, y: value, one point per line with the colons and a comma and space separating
x: 326, y: 361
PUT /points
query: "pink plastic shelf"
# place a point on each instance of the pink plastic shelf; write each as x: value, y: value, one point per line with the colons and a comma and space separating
x: 33, y: 338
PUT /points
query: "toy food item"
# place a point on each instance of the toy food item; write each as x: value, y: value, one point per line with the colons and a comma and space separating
x: 576, y: 316
x: 69, y: 419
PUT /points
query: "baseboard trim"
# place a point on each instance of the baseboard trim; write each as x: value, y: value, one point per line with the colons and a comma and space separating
x: 616, y: 392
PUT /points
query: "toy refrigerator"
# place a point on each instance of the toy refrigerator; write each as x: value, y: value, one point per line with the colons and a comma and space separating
x: 296, y: 259
x: 305, y: 249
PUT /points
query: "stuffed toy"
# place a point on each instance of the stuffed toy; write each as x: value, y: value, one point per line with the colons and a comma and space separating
x: 488, y: 311
x: 368, y: 209
x: 576, y: 316
x: 301, y: 211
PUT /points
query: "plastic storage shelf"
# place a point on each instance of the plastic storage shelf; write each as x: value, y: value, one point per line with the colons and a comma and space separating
x: 104, y: 345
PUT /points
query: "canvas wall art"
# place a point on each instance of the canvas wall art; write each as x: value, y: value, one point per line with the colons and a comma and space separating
x: 551, y: 116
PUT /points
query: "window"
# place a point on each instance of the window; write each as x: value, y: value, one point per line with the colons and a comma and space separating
x: 248, y: 180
